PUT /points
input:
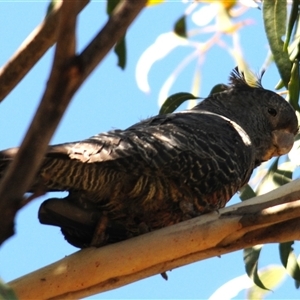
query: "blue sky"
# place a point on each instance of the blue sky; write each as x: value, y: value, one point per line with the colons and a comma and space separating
x: 110, y: 98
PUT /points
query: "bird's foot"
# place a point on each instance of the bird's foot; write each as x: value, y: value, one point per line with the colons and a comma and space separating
x: 99, y: 235
x: 164, y: 275
x: 143, y: 228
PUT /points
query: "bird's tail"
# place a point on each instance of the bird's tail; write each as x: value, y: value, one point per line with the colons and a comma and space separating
x: 77, y: 224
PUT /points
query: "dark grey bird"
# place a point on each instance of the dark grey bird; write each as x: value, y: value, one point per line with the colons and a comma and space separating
x: 165, y: 169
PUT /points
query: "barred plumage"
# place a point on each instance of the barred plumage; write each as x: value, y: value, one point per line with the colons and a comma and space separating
x: 165, y: 169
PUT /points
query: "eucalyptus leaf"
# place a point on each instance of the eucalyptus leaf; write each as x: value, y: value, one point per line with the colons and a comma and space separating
x: 251, y: 256
x: 120, y: 47
x: 174, y: 101
x: 51, y: 6
x: 294, y: 86
x: 294, y: 48
x: 289, y: 260
x: 274, y: 15
x: 218, y: 89
x: 279, y: 85
x: 284, y: 251
x: 247, y: 192
x: 272, y: 276
x: 291, y: 22
x: 281, y: 177
x: 120, y: 50
x: 276, y: 176
x: 110, y: 5
x: 268, y: 179
x: 180, y: 27
x: 6, y: 292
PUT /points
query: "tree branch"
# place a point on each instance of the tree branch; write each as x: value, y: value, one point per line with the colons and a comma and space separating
x: 122, y: 16
x: 68, y: 73
x: 93, y: 270
x: 31, y: 50
x: 27, y: 161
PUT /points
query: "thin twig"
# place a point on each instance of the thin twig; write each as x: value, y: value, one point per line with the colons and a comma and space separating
x: 31, y: 50
x: 111, y: 33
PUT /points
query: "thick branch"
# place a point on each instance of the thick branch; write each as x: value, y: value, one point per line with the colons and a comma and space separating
x: 67, y: 74
x: 31, y: 50
x: 92, y: 270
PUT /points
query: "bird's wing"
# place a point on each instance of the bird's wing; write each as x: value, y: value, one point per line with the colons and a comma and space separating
x: 187, y: 148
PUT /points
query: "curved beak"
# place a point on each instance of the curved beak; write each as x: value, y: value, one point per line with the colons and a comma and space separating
x: 283, y: 142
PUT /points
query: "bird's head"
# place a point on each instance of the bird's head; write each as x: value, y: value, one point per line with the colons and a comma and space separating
x: 269, y: 120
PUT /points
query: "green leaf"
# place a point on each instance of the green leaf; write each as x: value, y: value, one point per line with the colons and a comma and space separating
x: 289, y: 260
x: 294, y: 47
x: 51, y: 6
x: 272, y: 276
x: 281, y: 177
x: 274, y: 14
x: 180, y: 27
x: 174, y: 102
x: 247, y: 192
x: 291, y: 22
x: 294, y: 86
x: 251, y: 256
x: 284, y: 251
x: 218, y: 89
x: 120, y: 47
x: 279, y: 85
x: 268, y: 179
x: 111, y: 4
x: 120, y: 50
x: 275, y: 177
x: 6, y: 292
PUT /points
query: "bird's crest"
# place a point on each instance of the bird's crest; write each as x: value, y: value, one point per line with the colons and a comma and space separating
x: 245, y: 80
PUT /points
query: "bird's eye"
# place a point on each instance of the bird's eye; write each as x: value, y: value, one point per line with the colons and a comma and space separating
x: 272, y: 111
